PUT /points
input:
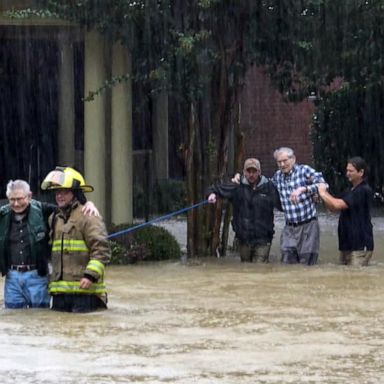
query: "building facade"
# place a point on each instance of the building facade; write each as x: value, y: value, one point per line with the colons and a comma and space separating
x: 48, y: 67
x: 268, y: 122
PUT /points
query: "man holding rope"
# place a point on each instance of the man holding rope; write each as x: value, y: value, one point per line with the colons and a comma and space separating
x: 254, y: 200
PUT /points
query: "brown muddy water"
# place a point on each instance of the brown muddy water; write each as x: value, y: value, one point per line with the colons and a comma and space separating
x: 212, y: 321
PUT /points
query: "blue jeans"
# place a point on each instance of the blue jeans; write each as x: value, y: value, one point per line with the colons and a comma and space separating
x: 26, y: 290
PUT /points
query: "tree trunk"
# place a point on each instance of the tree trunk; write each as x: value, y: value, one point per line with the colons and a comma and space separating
x: 239, y: 149
x: 191, y: 184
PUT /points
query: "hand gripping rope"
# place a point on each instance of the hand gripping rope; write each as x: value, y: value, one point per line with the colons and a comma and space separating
x: 157, y: 219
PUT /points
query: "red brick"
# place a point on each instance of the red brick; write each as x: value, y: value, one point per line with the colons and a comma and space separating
x: 268, y: 122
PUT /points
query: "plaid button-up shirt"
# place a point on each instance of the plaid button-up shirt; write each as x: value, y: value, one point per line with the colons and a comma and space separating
x: 299, y: 176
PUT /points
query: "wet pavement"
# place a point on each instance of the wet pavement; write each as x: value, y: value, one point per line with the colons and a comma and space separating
x: 212, y: 321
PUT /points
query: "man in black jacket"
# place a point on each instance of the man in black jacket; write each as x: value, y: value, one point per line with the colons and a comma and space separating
x: 254, y: 200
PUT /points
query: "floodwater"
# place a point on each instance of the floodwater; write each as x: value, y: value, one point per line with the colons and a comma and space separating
x: 212, y: 321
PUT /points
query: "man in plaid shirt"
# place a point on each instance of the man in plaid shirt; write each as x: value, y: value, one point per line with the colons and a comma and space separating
x: 296, y: 183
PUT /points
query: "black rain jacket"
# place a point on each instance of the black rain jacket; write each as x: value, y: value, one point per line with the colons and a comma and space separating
x: 252, y: 209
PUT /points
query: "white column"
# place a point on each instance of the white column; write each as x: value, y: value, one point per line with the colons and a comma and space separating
x: 94, y: 118
x: 121, y: 141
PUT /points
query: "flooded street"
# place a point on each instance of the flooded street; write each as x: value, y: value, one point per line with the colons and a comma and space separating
x: 152, y: 107
x: 212, y: 321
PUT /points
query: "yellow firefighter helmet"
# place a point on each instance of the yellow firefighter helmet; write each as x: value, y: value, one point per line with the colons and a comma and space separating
x: 65, y: 178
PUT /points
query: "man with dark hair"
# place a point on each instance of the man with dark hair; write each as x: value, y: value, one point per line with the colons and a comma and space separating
x: 355, y: 228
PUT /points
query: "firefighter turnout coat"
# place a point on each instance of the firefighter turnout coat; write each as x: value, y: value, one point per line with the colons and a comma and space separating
x: 79, y: 249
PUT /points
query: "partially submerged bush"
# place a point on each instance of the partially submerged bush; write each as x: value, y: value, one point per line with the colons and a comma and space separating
x: 161, y: 244
x: 122, y: 255
x: 148, y: 243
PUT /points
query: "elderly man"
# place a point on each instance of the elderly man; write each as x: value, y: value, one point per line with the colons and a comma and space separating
x: 254, y: 200
x: 24, y: 248
x: 296, y: 183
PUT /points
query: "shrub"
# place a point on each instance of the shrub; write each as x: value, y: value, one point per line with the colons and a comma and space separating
x: 147, y: 243
x: 122, y: 255
x: 161, y: 244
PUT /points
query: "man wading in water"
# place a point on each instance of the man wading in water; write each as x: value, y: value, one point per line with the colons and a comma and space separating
x: 355, y: 227
x: 254, y: 200
x: 80, y: 248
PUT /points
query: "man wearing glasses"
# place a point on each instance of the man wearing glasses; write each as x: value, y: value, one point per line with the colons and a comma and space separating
x: 296, y: 183
x: 24, y: 248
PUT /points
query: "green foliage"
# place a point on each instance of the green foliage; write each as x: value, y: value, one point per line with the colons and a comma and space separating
x: 28, y: 12
x: 161, y: 244
x: 149, y: 243
x: 205, y: 4
x: 163, y: 37
x: 108, y: 84
x: 199, y: 51
x: 305, y: 44
x: 350, y: 122
x: 129, y: 253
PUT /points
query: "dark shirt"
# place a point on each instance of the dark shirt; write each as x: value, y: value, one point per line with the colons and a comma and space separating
x: 19, y: 247
x: 355, y: 226
x: 252, y: 209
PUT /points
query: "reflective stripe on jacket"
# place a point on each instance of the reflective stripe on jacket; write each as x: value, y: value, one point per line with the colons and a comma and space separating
x: 69, y: 245
x: 72, y: 287
x: 79, y: 247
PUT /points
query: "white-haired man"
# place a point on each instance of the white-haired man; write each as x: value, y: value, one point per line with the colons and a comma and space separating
x: 296, y: 183
x: 24, y: 248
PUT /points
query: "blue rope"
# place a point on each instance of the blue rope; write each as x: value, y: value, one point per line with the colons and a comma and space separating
x: 157, y: 219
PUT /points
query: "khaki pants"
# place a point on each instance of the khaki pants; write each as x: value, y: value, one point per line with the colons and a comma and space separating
x: 359, y: 258
x: 254, y: 253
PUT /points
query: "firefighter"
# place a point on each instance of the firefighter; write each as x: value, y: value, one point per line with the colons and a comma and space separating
x: 80, y: 249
